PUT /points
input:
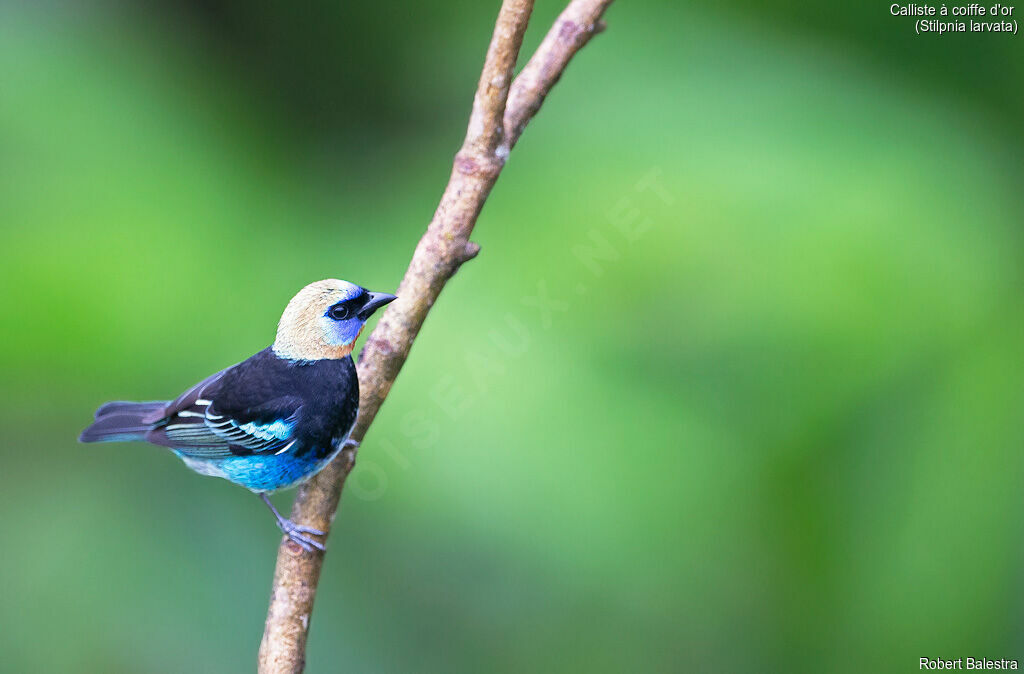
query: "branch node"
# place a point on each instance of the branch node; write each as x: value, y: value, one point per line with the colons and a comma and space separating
x: 476, y: 166
x: 471, y: 250
x: 293, y: 548
x: 568, y: 31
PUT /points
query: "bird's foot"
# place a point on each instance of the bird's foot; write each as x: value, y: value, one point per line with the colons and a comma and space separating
x: 354, y: 444
x: 300, y: 534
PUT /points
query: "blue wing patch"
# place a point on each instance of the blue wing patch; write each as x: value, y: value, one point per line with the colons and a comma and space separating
x: 280, y: 429
x: 253, y: 437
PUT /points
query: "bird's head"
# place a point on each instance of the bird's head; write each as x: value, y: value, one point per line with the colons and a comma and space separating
x: 324, y: 319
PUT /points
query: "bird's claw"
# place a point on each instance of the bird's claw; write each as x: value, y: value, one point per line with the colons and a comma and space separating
x: 350, y: 443
x: 298, y: 534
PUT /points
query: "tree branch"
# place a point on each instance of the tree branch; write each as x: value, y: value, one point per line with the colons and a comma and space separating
x: 573, y: 29
x: 501, y: 110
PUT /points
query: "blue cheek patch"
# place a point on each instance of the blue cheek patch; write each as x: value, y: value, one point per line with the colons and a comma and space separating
x: 343, y: 333
x: 275, y: 430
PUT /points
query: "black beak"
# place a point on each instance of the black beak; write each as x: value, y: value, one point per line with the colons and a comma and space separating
x: 375, y: 301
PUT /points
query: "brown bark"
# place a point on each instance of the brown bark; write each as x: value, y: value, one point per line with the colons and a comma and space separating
x: 494, y: 128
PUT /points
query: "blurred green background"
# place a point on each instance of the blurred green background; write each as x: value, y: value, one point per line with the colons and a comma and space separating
x: 769, y: 417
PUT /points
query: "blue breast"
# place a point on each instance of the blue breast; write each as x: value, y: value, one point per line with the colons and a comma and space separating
x: 263, y: 473
x: 267, y: 473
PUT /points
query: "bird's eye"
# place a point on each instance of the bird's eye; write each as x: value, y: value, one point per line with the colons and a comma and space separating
x: 338, y: 312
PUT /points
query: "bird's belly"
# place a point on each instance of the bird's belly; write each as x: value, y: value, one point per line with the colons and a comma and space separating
x: 266, y: 473
x: 272, y: 472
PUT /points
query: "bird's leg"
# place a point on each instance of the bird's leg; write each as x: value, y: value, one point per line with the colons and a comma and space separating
x: 296, y: 532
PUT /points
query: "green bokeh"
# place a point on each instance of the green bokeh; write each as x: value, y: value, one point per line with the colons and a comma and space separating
x: 775, y: 426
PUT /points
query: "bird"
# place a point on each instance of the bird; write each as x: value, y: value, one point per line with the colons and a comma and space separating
x: 273, y: 420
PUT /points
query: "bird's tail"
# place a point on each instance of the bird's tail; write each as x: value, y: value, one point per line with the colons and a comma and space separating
x: 123, y: 421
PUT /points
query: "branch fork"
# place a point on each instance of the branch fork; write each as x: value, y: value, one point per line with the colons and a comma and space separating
x: 502, y: 107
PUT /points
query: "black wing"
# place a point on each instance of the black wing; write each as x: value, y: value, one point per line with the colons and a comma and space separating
x: 194, y: 425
